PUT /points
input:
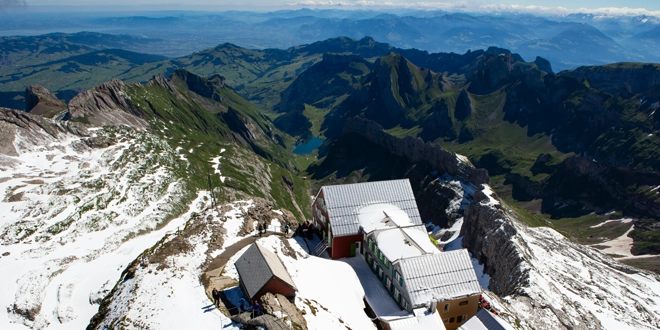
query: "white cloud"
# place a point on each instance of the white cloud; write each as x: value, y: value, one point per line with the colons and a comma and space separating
x: 470, y: 6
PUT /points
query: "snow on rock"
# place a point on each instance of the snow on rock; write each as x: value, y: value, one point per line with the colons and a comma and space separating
x: 74, y: 211
x: 216, y: 165
x: 327, y: 302
x: 488, y: 191
x: 546, y: 281
x: 582, y: 281
x: 164, y: 291
x: 624, y: 220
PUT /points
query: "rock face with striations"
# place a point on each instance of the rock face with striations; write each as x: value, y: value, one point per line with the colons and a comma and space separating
x: 107, y: 104
x: 32, y: 129
x: 416, y: 150
x: 394, y: 84
x: 548, y: 282
x: 40, y: 101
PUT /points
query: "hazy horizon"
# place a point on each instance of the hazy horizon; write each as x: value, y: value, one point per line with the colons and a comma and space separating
x: 612, y: 7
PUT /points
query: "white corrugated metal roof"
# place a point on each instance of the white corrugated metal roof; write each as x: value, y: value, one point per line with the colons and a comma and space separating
x: 440, y: 276
x: 399, y: 243
x: 422, y: 319
x: 345, y: 201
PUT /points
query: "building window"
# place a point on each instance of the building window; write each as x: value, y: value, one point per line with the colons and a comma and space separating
x: 404, y: 304
x: 461, y: 318
x: 451, y: 320
x: 445, y: 321
x: 463, y: 303
x: 446, y: 309
x: 387, y: 282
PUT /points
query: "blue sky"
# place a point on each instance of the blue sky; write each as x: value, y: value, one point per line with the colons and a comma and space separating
x: 467, y: 5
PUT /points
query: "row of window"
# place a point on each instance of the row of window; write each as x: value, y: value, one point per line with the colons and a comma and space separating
x: 381, y: 256
x: 459, y: 319
x: 385, y: 279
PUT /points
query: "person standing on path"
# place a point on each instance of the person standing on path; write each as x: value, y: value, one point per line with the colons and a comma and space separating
x: 216, y: 297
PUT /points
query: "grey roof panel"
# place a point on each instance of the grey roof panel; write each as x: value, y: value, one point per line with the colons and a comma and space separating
x: 485, y: 320
x: 344, y: 202
x: 257, y: 266
x: 443, y: 276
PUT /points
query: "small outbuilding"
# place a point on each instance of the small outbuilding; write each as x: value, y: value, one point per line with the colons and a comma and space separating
x: 261, y: 271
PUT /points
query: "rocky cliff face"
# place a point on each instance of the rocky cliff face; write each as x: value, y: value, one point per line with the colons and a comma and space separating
x: 31, y: 128
x: 206, y: 87
x: 634, y: 78
x: 107, y: 104
x: 493, y: 71
x: 549, y: 282
x: 40, y: 101
x: 416, y: 150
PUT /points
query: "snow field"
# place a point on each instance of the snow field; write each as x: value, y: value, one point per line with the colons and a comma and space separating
x: 76, y: 222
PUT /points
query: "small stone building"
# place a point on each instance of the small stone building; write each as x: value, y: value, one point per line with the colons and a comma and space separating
x: 261, y: 271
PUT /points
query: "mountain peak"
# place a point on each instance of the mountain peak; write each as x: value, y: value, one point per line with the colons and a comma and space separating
x: 40, y: 101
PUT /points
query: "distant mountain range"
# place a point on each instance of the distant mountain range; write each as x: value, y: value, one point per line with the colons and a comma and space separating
x: 601, y: 39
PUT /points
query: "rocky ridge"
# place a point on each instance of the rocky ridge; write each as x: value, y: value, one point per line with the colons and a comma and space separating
x: 548, y: 282
x: 416, y: 150
x: 107, y: 104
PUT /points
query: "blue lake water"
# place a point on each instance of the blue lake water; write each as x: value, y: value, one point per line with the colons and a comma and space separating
x: 309, y: 147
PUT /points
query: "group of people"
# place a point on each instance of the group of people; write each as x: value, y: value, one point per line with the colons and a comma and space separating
x: 263, y: 227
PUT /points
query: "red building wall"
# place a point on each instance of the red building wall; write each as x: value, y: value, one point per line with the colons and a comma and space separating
x: 275, y: 285
x: 341, y: 246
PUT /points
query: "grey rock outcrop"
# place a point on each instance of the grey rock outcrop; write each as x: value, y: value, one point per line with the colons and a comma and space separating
x: 545, y: 280
x: 40, y: 101
x: 416, y: 150
x: 31, y: 126
x: 107, y: 104
x: 206, y: 87
x: 277, y: 304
